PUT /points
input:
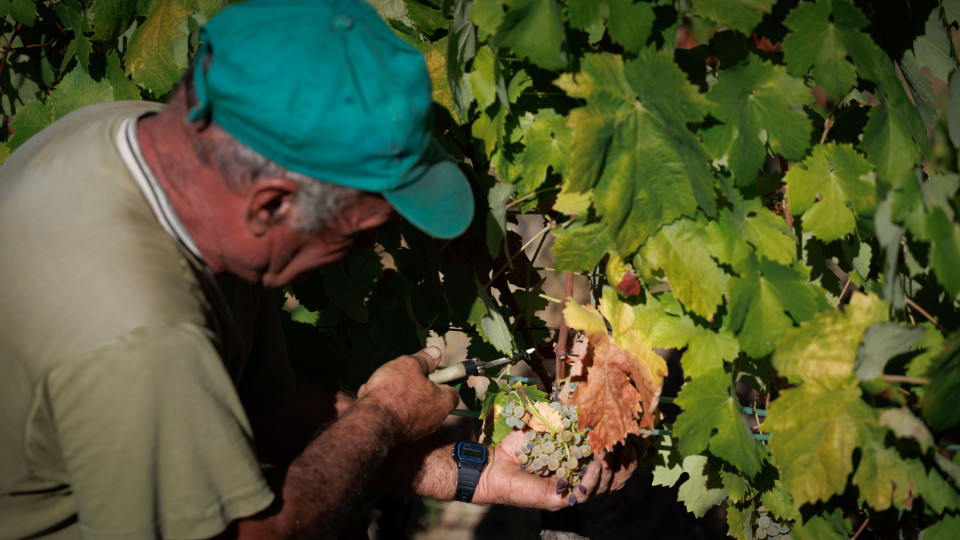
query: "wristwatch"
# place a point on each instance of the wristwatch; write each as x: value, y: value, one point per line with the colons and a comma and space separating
x: 470, y: 458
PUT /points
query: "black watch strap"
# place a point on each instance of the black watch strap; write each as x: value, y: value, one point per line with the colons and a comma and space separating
x: 467, y: 479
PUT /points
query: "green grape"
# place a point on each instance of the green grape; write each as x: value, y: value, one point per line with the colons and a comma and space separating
x: 572, y: 462
x: 530, y: 435
x: 565, y: 436
x: 561, y: 472
x: 763, y: 522
x: 523, y: 459
x: 517, y: 412
x: 549, y: 447
x: 565, y: 422
x: 553, y: 464
x: 585, y: 450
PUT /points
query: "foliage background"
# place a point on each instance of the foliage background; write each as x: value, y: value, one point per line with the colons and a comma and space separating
x: 769, y: 187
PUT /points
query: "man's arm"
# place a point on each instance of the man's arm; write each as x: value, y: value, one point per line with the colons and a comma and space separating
x: 398, y: 405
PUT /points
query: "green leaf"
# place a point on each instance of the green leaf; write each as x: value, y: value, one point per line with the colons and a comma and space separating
x: 583, y: 13
x: 631, y: 142
x: 881, y: 342
x: 736, y: 485
x: 944, y: 529
x: 490, y: 322
x: 827, y: 526
x: 110, y: 18
x: 681, y: 251
x: 703, y: 489
x: 485, y: 77
x: 77, y: 90
x: 905, y: 425
x: 630, y: 23
x: 711, y: 417
x: 706, y: 350
x: 940, y: 402
x: 932, y: 49
x: 742, y: 15
x: 535, y: 31
x: 884, y: 478
x: 573, y: 203
x: 123, y: 87
x: 30, y: 119
x: 461, y: 48
x: 841, y: 178
x: 945, y: 251
x: 738, y: 522
x: 761, y: 300
x: 822, y: 35
x: 4, y: 152
x: 487, y: 15
x: 760, y: 106
x: 24, y: 11
x: 548, y: 143
x: 888, y: 144
x: 580, y: 247
x: 827, y: 345
x: 813, y: 433
x: 150, y: 57
x: 741, y: 234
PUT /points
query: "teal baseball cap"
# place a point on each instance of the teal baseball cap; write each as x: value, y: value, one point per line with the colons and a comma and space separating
x: 325, y: 88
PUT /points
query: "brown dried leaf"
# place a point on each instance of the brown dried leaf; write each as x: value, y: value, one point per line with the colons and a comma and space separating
x: 615, y: 388
x: 547, y: 412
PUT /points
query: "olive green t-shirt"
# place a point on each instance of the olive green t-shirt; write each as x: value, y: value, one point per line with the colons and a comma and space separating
x: 127, y: 371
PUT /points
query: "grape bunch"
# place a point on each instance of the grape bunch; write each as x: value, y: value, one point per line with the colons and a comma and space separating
x: 766, y: 526
x: 559, y: 449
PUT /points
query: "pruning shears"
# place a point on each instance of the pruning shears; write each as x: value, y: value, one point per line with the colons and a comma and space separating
x: 462, y: 370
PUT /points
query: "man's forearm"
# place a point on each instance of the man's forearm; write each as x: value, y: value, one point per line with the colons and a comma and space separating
x: 424, y: 468
x: 326, y: 477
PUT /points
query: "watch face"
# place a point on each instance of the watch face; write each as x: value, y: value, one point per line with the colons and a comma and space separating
x: 472, y: 452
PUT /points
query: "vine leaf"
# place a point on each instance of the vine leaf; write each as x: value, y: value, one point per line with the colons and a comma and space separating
x: 535, y: 31
x: 150, y: 58
x: 630, y: 144
x: 813, y: 433
x: 884, y: 478
x: 110, y: 18
x: 682, y: 251
x: 827, y: 345
x: 887, y: 142
x: 632, y: 325
x: 905, y: 425
x: 822, y: 36
x: 580, y: 247
x: 703, y: 489
x: 945, y: 252
x: 705, y: 349
x: 613, y: 385
x: 881, y: 342
x: 830, y: 525
x: 841, y: 178
x: 760, y: 105
x: 766, y: 301
x: 742, y: 15
x: 945, y: 529
x: 630, y: 23
x: 711, y: 418
x: 29, y: 120
x: 940, y: 402
x: 740, y: 234
x: 547, y: 147
x: 489, y: 322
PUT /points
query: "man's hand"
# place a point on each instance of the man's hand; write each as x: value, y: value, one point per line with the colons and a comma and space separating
x: 502, y: 481
x: 401, y: 390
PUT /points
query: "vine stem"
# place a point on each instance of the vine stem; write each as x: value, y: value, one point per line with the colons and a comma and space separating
x: 6, y: 48
x: 923, y: 312
x: 562, y: 336
x: 905, y: 379
x: 860, y: 530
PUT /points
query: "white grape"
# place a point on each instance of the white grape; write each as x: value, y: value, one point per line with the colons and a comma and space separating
x: 763, y: 522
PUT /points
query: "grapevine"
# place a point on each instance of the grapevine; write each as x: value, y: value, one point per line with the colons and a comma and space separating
x: 555, y: 442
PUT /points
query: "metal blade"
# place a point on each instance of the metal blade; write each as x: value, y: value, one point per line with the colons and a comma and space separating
x: 504, y: 360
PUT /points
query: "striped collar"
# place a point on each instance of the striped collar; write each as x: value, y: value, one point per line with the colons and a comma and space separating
x: 129, y: 147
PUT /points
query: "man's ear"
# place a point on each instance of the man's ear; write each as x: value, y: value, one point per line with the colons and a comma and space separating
x: 269, y: 202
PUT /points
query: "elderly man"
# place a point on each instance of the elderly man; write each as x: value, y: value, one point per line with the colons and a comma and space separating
x: 142, y: 372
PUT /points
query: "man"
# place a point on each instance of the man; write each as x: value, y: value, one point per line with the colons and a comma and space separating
x: 143, y: 379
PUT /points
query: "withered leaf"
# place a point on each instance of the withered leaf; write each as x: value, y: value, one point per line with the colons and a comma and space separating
x: 614, y: 387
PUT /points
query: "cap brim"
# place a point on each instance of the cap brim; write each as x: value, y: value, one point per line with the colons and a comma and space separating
x: 439, y: 202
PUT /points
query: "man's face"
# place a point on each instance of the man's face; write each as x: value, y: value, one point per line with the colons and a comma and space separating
x: 296, y: 254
